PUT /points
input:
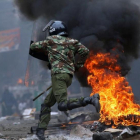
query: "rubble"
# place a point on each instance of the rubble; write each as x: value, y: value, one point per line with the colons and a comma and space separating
x: 96, y: 126
x: 20, y: 130
x: 62, y: 118
x: 84, y: 116
x: 80, y: 131
x: 16, y: 123
x: 128, y: 133
x: 28, y: 114
x: 112, y: 130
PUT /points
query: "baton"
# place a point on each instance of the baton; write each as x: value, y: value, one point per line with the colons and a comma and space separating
x: 42, y: 93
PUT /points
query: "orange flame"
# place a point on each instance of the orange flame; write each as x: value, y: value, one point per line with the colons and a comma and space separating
x: 20, y: 81
x: 116, y: 96
x: 27, y: 78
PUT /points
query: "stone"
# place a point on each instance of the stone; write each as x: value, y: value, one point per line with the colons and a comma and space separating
x: 92, y: 116
x: 84, y: 116
x: 103, y: 136
x: 80, y: 131
x: 62, y: 118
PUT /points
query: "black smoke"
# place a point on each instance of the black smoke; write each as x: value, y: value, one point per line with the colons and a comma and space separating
x: 101, y: 25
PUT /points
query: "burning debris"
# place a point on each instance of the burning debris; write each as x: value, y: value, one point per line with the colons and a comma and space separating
x: 116, y: 96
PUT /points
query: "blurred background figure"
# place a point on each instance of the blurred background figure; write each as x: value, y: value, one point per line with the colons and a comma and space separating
x: 22, y: 106
x: 8, y: 103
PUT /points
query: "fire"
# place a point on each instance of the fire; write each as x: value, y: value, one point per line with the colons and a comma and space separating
x: 116, y: 96
x: 27, y: 77
x: 20, y: 81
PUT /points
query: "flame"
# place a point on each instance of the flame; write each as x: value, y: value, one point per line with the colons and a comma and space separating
x: 19, y: 81
x: 27, y: 77
x: 63, y: 125
x: 116, y: 96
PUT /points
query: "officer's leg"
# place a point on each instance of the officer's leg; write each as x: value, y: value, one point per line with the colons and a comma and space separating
x: 45, y: 115
x: 46, y: 109
x: 60, y: 84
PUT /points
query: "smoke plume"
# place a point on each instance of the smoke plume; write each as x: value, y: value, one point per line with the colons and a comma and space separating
x: 101, y: 25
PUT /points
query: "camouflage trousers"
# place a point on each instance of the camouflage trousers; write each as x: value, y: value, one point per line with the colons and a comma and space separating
x: 58, y: 94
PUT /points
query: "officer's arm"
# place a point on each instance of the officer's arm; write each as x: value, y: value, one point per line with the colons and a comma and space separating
x: 39, y: 50
x: 83, y: 52
x: 39, y: 46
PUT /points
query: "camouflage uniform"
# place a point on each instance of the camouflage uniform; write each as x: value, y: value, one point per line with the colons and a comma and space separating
x: 61, y: 52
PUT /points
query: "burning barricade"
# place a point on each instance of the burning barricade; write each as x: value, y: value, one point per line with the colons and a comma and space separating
x: 116, y: 96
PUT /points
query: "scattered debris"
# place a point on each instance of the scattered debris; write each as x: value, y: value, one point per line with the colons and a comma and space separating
x: 28, y: 113
x: 16, y: 123
x: 92, y: 116
x: 127, y: 133
x: 112, y: 130
x: 97, y: 127
x: 3, y: 118
x: 62, y: 118
x: 84, y: 116
x: 18, y: 129
x: 80, y: 131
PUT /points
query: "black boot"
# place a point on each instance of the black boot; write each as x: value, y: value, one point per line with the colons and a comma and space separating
x: 40, y: 133
x: 94, y: 100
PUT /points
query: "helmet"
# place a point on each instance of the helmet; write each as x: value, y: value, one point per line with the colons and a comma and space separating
x: 58, y: 28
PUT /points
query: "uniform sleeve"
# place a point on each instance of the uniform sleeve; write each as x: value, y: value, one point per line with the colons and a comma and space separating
x: 83, y: 52
x: 39, y: 46
x: 39, y: 50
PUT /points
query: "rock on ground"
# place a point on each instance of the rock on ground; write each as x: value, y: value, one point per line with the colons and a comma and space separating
x: 80, y: 131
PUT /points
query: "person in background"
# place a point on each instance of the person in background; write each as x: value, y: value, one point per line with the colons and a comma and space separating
x: 8, y: 102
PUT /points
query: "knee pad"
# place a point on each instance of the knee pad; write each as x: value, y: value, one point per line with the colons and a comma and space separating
x: 62, y: 106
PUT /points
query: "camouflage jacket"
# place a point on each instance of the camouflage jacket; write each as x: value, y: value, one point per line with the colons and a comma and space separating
x: 61, y: 53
